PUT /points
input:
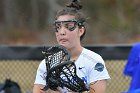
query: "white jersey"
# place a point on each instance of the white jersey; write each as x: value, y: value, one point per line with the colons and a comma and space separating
x: 90, y: 67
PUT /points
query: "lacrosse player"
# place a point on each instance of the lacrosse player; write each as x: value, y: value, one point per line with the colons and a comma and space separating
x: 90, y: 67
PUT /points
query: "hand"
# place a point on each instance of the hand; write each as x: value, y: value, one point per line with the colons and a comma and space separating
x: 78, y: 92
x: 85, y: 92
x: 53, y: 84
x: 62, y: 90
x: 51, y: 91
x: 41, y: 91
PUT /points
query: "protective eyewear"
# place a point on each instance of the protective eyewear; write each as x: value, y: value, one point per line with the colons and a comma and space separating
x: 70, y: 25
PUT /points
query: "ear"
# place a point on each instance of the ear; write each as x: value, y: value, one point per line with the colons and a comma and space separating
x: 81, y: 31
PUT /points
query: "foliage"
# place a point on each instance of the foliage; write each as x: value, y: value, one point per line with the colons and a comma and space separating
x: 110, y: 21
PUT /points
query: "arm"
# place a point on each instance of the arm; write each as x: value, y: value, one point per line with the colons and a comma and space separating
x: 37, y: 89
x: 98, y: 87
x: 40, y: 78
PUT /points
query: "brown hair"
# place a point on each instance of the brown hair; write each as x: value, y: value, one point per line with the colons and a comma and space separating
x: 73, y: 8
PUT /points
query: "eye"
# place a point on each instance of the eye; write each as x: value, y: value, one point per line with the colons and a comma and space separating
x: 70, y: 25
x: 57, y: 25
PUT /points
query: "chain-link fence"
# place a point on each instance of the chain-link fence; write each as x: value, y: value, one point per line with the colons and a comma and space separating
x: 23, y: 72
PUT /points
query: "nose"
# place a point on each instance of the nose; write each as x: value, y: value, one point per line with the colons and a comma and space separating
x: 62, y: 31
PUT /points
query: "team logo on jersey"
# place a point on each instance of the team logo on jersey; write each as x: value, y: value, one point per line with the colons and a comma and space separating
x: 99, y: 67
x: 44, y: 76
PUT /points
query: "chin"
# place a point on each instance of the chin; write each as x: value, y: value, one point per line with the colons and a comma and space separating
x: 65, y: 45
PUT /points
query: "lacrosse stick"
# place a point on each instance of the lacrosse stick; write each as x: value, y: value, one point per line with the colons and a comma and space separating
x: 66, y: 76
x: 54, y: 56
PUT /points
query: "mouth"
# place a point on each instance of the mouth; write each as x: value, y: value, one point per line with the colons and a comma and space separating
x: 63, y: 40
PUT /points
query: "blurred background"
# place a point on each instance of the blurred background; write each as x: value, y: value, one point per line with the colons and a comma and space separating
x: 26, y: 25
x: 28, y: 22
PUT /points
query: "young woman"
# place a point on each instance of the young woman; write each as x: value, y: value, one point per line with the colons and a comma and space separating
x: 70, y: 30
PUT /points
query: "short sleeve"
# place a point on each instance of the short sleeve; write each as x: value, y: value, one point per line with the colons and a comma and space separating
x: 41, y: 74
x: 98, y: 72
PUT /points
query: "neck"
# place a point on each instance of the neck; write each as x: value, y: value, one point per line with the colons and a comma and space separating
x: 75, y: 52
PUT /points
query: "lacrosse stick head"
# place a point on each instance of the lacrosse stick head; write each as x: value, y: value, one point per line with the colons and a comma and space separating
x: 54, y: 56
x: 66, y: 76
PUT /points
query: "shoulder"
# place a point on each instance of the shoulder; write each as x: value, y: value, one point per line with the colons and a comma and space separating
x: 42, y: 66
x: 89, y: 52
x: 91, y: 55
x: 42, y: 63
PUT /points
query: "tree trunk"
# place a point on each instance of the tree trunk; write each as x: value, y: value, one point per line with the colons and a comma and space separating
x: 53, y: 8
x: 10, y: 12
x: 35, y: 14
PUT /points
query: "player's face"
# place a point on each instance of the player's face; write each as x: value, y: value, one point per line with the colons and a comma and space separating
x: 67, y: 31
